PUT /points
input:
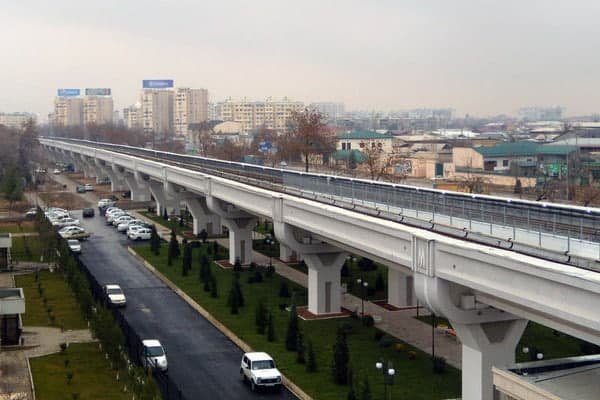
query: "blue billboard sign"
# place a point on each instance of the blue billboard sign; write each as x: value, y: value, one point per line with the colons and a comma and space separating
x: 97, y: 92
x: 157, y: 83
x: 264, y: 146
x: 68, y: 92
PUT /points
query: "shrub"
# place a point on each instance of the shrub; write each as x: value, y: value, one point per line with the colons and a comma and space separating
x: 67, y: 361
x: 260, y: 318
x: 69, y: 376
x: 399, y: 347
x: 439, y: 365
x: 293, y: 329
x: 311, y: 364
x: 203, y: 235
x: 341, y: 357
x: 378, y: 335
x: 252, y: 266
x: 258, y: 277
x: 368, y: 320
x: 237, y: 266
x: 412, y: 355
x: 270, y: 328
x: 347, y: 327
x: 386, y: 341
x: 213, y: 287
x: 270, y: 271
x: 284, y: 290
x: 282, y: 306
x: 63, y: 347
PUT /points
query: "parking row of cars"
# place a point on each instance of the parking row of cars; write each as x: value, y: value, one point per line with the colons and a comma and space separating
x: 134, y: 228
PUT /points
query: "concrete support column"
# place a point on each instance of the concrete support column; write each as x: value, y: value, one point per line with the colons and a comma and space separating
x: 324, y: 282
x: 165, y: 196
x: 324, y: 266
x: 489, y: 336
x: 286, y: 254
x: 116, y: 182
x: 240, y: 225
x: 137, y: 186
x: 483, y: 346
x: 203, y: 218
x: 401, y: 291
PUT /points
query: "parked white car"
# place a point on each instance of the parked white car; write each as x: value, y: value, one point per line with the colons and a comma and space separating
x: 106, y: 203
x: 67, y: 222
x: 74, y: 245
x: 88, y: 187
x: 121, y: 219
x: 73, y: 232
x: 114, y: 295
x: 124, y: 226
x: 115, y: 214
x: 259, y: 369
x: 140, y: 234
x: 153, y: 355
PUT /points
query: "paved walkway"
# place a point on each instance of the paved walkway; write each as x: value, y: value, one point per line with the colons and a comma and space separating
x: 401, y: 324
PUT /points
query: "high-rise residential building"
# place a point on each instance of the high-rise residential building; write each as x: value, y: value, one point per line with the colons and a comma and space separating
x: 332, y: 111
x: 97, y: 110
x: 257, y: 114
x: 191, y: 106
x: 132, y: 116
x: 68, y: 111
x: 157, y: 112
x: 15, y: 120
x: 212, y: 111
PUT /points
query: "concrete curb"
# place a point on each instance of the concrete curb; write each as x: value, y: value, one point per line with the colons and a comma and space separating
x: 30, y: 379
x: 292, y: 387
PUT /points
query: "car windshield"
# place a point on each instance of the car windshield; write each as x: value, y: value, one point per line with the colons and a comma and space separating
x: 263, y: 364
x: 73, y: 242
x: 114, y: 291
x: 155, y: 351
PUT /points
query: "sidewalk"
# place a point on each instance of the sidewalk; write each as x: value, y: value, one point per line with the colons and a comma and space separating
x: 400, y: 324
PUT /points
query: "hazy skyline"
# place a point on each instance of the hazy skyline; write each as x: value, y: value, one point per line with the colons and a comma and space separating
x: 478, y: 57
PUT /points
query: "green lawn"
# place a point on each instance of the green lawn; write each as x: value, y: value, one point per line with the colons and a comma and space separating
x: 92, y: 376
x: 26, y: 248
x: 59, y: 296
x: 539, y: 339
x: 171, y: 224
x: 415, y: 379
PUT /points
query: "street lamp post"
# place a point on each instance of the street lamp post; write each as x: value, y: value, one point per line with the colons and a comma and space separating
x: 269, y: 243
x: 388, y: 376
x: 364, y: 285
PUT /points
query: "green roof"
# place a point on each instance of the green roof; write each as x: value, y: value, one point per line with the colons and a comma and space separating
x: 357, y: 135
x: 516, y: 149
x: 359, y: 157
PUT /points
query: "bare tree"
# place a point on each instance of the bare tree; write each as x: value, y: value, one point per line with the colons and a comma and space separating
x: 472, y: 182
x: 309, y: 136
x: 378, y: 162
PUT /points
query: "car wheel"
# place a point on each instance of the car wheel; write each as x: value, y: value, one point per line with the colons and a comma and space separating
x: 253, y: 385
x: 244, y: 379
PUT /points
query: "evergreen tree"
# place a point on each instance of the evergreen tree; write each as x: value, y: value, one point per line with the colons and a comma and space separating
x: 270, y: 328
x: 173, y: 250
x: 339, y: 368
x: 300, y: 359
x: 260, y: 318
x: 237, y: 266
x: 238, y: 288
x: 518, y: 187
x: 203, y: 235
x: 207, y: 282
x: 311, y: 364
x: 214, y: 293
x: 291, y: 337
x: 186, y: 263
x: 154, y: 241
x: 284, y: 291
x: 365, y: 392
x: 232, y: 299
x: 379, y: 282
x: 215, y: 249
x: 204, y: 267
x: 165, y: 214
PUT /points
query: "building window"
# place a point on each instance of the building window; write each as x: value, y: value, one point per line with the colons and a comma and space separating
x: 362, y: 145
x: 505, y: 163
x: 343, y: 146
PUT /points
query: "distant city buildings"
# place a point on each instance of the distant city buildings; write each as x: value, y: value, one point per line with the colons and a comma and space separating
x: 270, y: 114
x: 72, y: 110
x: 332, y: 111
x: 157, y: 112
x: 132, y: 116
x: 15, y: 120
x: 540, y: 113
x: 191, y: 106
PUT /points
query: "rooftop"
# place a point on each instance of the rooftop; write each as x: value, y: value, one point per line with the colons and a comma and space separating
x: 524, y: 148
x: 357, y: 135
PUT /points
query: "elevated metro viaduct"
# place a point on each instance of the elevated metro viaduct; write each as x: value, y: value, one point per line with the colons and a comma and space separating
x: 487, y: 293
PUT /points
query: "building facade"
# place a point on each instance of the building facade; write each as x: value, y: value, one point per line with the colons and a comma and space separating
x: 68, y: 111
x: 157, y: 112
x: 252, y: 115
x: 15, y: 120
x: 132, y: 116
x: 98, y: 110
x: 332, y: 111
x: 191, y: 106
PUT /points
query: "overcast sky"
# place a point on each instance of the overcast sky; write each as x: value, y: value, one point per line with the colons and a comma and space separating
x: 478, y: 57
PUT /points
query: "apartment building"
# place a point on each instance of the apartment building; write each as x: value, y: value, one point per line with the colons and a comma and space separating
x: 332, y: 111
x: 132, y: 116
x: 257, y: 114
x: 68, y: 111
x: 98, y: 110
x: 191, y: 107
x: 15, y: 120
x: 157, y: 112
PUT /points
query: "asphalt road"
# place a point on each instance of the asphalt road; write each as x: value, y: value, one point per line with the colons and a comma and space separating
x: 203, y: 363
